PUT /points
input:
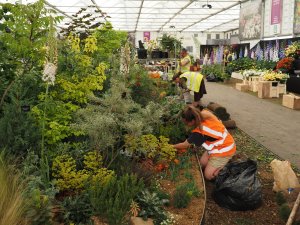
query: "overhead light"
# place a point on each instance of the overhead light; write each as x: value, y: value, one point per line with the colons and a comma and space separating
x: 207, y: 6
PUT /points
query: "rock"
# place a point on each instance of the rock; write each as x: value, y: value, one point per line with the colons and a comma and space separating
x: 140, y: 221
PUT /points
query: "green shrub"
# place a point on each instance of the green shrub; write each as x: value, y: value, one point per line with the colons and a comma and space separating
x: 174, y: 131
x: 182, y: 197
x: 284, y: 212
x: 240, y: 64
x: 112, y: 201
x: 216, y: 69
x: 143, y: 88
x: 39, y: 197
x: 77, y: 209
x: 184, y: 193
x: 280, y: 199
x: 152, y: 206
x: 265, y: 65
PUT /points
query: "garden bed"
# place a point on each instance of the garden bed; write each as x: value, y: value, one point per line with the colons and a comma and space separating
x: 192, y: 214
x: 267, y: 213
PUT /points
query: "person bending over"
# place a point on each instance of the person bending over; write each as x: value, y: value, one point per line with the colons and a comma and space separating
x: 212, y: 135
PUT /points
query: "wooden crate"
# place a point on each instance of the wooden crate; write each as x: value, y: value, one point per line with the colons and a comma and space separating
x: 291, y: 101
x: 268, y: 89
x: 282, y: 88
x: 253, y: 83
x: 242, y: 86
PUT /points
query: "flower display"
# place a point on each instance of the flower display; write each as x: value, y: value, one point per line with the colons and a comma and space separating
x: 292, y: 50
x: 274, y: 76
x: 285, y: 63
x: 249, y: 73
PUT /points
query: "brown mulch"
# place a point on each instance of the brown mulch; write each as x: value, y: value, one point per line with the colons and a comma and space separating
x: 193, y: 213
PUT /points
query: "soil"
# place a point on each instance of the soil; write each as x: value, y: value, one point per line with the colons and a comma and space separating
x: 194, y: 212
x: 266, y: 214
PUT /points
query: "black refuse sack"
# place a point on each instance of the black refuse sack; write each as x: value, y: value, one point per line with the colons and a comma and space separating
x: 237, y: 187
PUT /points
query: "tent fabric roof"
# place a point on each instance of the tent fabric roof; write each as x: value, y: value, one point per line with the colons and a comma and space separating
x: 157, y: 15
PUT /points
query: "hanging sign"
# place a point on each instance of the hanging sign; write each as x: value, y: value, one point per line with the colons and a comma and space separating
x: 146, y: 36
x: 276, y: 12
x: 250, y: 26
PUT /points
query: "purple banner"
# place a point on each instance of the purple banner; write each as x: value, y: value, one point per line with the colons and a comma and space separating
x: 276, y: 12
x: 146, y: 36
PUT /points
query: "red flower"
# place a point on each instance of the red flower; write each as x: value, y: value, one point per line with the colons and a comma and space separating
x: 285, y: 63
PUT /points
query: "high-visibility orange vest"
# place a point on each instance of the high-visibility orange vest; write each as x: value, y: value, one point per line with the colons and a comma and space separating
x: 223, y: 145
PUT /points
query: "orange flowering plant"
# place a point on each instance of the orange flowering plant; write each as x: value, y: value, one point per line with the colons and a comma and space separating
x: 285, y: 63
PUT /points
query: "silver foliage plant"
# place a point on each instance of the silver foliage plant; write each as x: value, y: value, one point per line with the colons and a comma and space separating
x: 116, y: 114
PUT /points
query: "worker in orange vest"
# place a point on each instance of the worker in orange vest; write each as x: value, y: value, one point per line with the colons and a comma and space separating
x: 212, y: 135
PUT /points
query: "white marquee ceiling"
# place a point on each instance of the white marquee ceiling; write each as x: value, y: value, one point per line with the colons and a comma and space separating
x: 157, y: 15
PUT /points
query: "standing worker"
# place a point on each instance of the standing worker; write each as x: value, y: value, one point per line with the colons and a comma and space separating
x: 212, y: 135
x: 185, y: 62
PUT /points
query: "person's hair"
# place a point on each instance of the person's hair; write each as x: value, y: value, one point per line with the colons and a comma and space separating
x: 183, y: 50
x: 191, y: 113
x: 176, y: 75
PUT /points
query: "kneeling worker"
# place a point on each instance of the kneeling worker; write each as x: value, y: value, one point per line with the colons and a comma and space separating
x: 193, y: 81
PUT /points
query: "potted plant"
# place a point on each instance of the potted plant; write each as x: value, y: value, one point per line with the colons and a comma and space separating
x: 293, y: 50
x: 170, y: 44
x: 285, y: 65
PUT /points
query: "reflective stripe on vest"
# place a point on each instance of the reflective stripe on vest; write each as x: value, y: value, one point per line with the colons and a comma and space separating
x: 193, y: 80
x: 223, y: 145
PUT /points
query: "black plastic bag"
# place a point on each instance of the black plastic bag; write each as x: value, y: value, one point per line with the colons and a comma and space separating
x: 237, y: 186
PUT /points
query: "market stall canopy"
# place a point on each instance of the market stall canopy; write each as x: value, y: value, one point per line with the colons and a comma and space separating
x: 155, y: 15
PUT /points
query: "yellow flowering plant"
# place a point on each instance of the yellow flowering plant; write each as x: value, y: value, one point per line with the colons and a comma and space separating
x: 274, y: 76
x: 293, y: 50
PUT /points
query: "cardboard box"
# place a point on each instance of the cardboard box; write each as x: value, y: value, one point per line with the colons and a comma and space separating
x: 291, y: 101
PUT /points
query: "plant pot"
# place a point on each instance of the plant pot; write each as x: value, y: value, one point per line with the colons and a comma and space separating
x: 296, y: 64
x: 156, y: 54
x: 142, y: 53
x: 165, y: 55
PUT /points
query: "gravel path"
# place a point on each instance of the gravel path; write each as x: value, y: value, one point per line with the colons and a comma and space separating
x: 273, y: 125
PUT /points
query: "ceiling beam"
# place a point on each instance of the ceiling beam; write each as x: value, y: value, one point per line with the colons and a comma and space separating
x: 221, y: 24
x: 58, y: 10
x: 183, y: 8
x: 137, y: 20
x: 235, y: 4
x: 232, y: 29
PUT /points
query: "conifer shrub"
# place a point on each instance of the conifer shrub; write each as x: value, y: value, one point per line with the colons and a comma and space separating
x: 184, y: 193
x: 112, y: 201
x: 182, y: 197
x: 77, y: 209
x: 284, y: 211
x: 280, y: 199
